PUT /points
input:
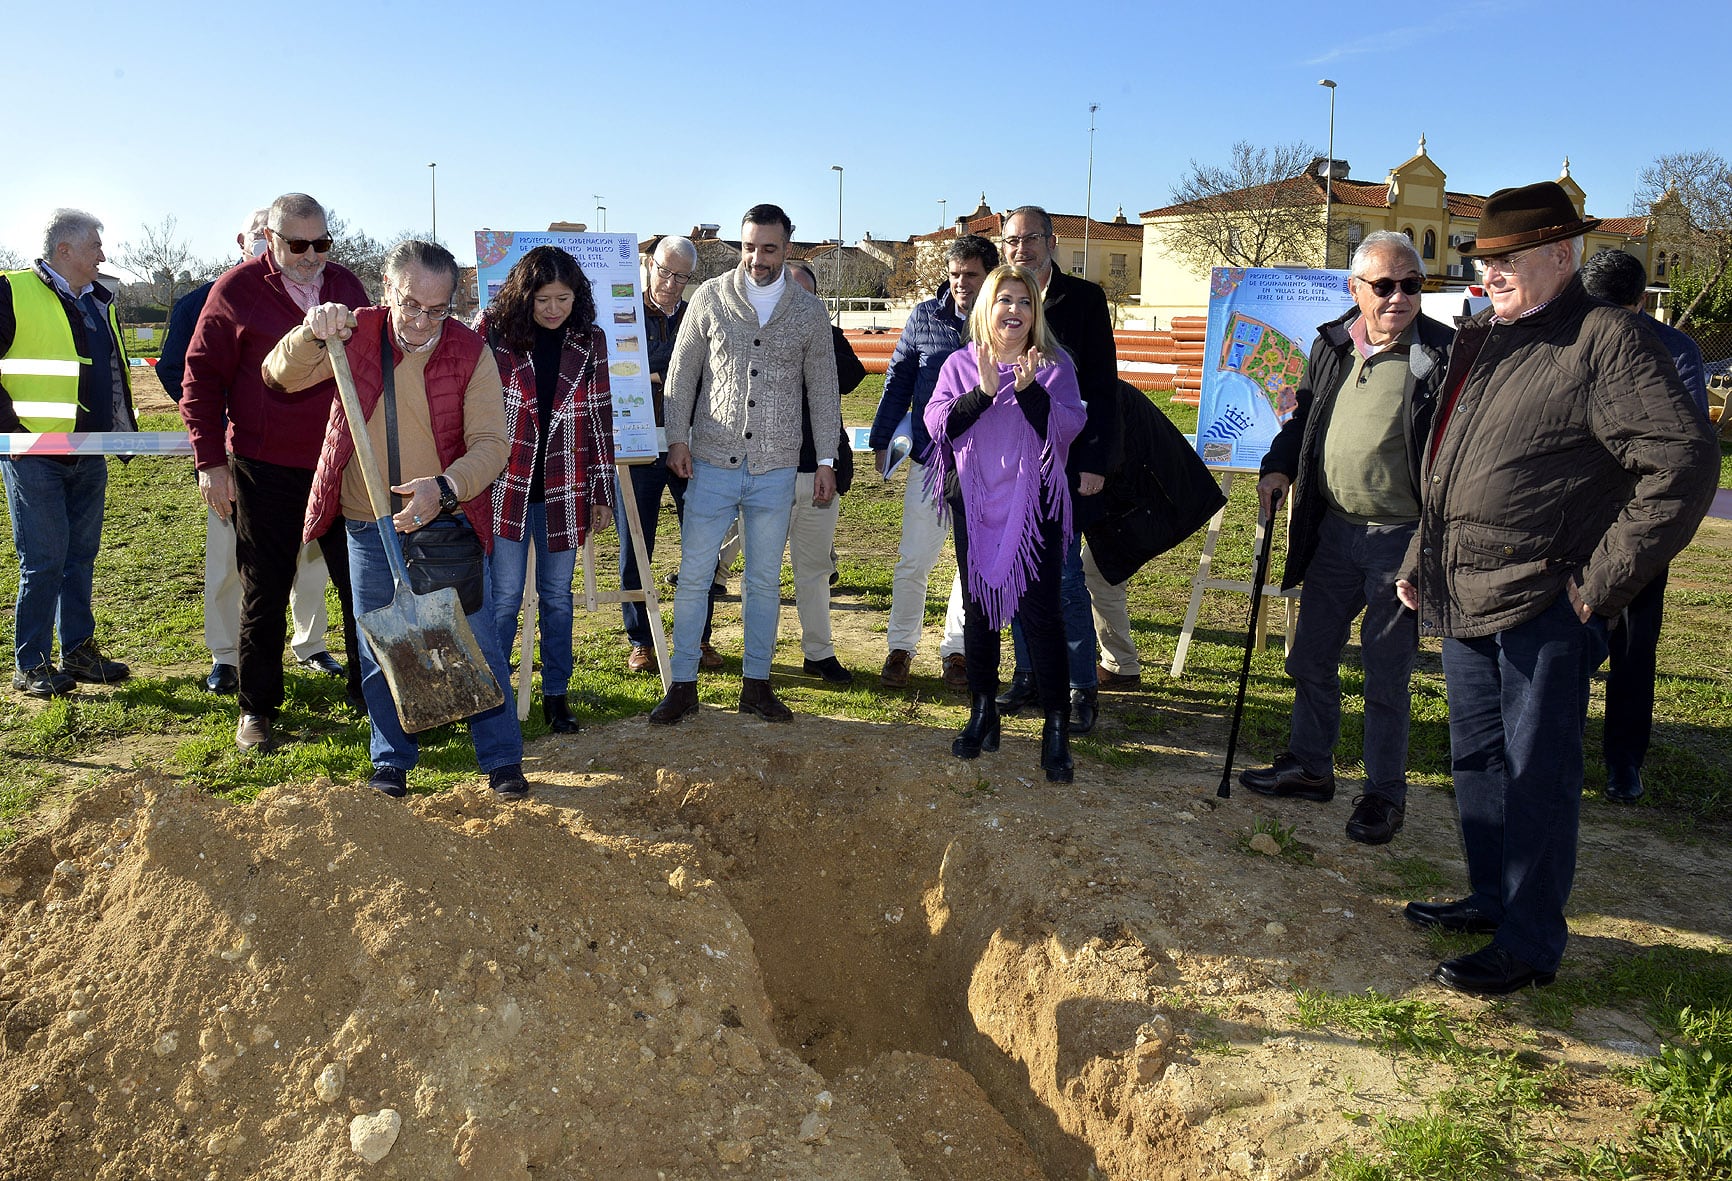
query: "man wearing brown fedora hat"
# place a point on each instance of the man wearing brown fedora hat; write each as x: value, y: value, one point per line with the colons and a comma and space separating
x: 1565, y: 468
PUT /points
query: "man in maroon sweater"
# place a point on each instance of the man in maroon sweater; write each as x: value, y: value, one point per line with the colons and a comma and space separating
x: 262, y: 471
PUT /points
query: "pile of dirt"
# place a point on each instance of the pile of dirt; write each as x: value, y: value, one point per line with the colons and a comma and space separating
x: 824, y: 950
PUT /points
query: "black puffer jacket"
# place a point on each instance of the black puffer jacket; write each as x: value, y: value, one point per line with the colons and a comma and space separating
x: 1572, y: 447
x: 1297, y: 452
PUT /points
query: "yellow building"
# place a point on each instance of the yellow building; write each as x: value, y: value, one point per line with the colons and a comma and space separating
x: 1412, y: 199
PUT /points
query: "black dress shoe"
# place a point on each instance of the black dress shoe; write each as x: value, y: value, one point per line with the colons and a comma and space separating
x: 224, y: 678
x: 1082, y: 710
x: 1020, y: 692
x: 1624, y: 787
x: 323, y: 662
x: 830, y: 669
x: 1461, y: 917
x: 558, y: 714
x: 1490, y: 971
x: 1375, y: 820
x: 1288, y: 779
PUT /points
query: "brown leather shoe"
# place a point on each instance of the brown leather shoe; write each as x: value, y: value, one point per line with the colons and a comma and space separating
x: 896, y: 666
x: 641, y: 660
x: 681, y: 702
x: 756, y: 697
x: 956, y: 670
x: 708, y: 657
x: 1108, y: 679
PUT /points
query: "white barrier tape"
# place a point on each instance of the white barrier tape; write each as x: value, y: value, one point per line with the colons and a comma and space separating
x: 97, y: 443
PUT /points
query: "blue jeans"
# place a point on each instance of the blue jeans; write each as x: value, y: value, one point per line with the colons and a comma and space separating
x: 1355, y: 567
x: 1517, y: 700
x: 647, y: 482
x: 1081, y: 652
x: 497, y: 738
x: 56, y: 513
x: 553, y: 575
x: 763, y: 503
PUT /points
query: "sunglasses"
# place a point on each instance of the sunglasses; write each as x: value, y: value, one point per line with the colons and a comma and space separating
x: 1384, y: 288
x: 302, y: 245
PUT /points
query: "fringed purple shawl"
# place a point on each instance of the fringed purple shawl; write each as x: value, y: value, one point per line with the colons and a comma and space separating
x: 1010, y: 478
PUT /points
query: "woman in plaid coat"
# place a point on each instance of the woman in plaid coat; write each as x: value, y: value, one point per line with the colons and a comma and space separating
x: 558, y: 483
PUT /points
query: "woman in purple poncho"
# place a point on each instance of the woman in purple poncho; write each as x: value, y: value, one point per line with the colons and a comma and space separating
x: 1003, y: 416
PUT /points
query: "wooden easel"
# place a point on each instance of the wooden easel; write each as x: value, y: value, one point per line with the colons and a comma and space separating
x: 1201, y: 581
x: 592, y: 599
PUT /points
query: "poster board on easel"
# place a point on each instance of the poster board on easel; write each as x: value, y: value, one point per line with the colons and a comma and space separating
x: 1262, y: 321
x: 611, y: 263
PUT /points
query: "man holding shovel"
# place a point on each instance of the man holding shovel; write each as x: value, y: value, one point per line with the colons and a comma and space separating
x: 450, y: 445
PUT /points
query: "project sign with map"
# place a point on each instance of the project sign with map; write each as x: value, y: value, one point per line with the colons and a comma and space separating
x: 610, y: 263
x: 1261, y: 325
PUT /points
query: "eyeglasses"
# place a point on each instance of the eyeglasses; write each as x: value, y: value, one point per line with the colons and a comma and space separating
x: 302, y: 245
x: 1502, y: 262
x: 1031, y: 239
x: 414, y: 311
x: 679, y: 277
x: 1386, y: 287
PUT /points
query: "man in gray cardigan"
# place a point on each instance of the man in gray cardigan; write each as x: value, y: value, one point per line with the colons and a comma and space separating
x: 753, y: 350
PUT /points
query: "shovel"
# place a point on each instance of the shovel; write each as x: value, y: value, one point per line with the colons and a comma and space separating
x: 422, y: 643
x: 1259, y: 576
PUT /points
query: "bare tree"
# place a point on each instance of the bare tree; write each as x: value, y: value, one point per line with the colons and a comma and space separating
x: 163, y: 260
x: 1259, y: 209
x: 1688, y: 196
x: 848, y: 272
x: 359, y: 251
x: 919, y: 272
x: 11, y: 260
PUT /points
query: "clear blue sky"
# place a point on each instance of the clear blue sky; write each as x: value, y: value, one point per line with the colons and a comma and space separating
x: 677, y: 113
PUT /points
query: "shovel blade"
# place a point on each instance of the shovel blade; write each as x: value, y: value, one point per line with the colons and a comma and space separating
x: 431, y: 660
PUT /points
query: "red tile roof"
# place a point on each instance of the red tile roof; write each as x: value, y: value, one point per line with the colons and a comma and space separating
x: 1066, y: 225
x: 1630, y: 227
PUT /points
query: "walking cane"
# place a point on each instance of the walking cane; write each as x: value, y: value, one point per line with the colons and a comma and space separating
x: 1259, y: 575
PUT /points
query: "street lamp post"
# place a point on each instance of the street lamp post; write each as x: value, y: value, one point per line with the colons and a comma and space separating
x: 1089, y: 195
x: 599, y: 210
x: 837, y: 169
x: 1329, y: 178
x: 433, y: 173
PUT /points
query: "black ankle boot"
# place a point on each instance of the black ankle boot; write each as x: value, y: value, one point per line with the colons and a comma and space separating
x: 1082, y: 711
x: 1055, y: 746
x: 1020, y: 693
x: 981, y: 733
x: 558, y: 714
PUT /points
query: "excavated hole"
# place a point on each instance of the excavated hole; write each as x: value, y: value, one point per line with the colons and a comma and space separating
x: 886, y: 927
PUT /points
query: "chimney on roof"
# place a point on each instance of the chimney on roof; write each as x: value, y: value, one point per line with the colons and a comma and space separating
x: 1323, y: 167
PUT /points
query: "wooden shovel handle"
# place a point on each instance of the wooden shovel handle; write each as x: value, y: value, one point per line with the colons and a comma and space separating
x: 377, y: 491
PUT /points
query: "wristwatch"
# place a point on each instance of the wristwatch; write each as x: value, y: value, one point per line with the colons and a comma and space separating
x: 448, y: 501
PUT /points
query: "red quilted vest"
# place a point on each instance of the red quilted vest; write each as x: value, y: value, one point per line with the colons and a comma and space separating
x: 448, y: 372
